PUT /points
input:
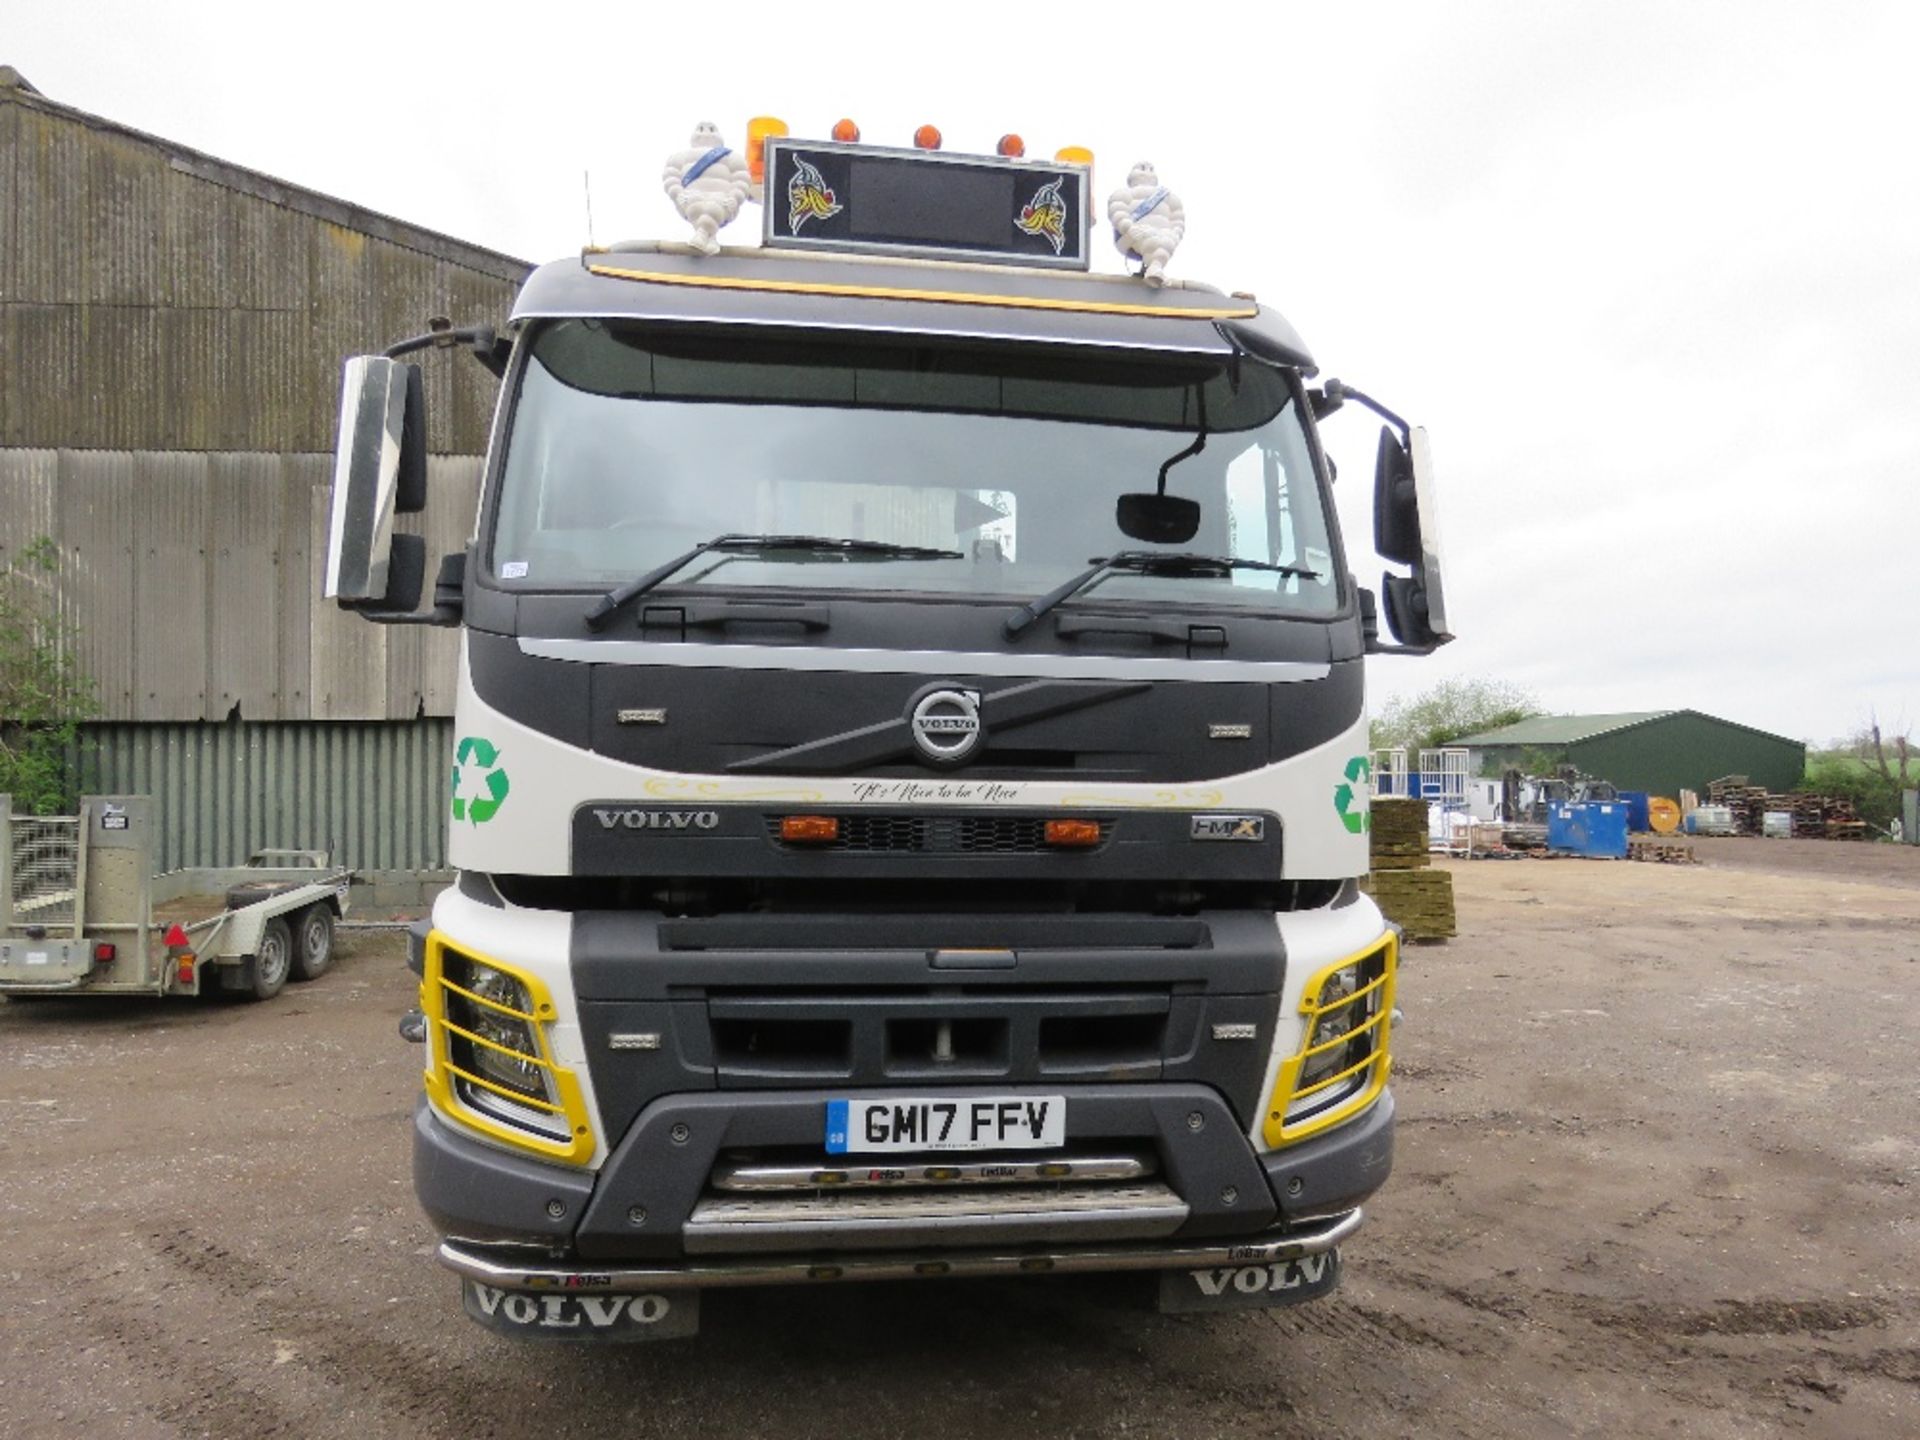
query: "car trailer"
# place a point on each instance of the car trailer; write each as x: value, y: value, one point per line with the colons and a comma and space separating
x: 83, y: 913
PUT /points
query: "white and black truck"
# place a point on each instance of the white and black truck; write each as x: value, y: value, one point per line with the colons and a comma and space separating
x: 910, y: 772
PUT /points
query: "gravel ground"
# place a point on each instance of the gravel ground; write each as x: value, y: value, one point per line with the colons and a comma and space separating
x: 1659, y: 1173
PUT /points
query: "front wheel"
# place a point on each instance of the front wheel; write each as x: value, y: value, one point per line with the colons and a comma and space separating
x: 313, y: 934
x: 273, y: 962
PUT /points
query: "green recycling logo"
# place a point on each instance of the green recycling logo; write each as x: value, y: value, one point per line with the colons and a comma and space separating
x: 485, y: 760
x: 1359, y: 773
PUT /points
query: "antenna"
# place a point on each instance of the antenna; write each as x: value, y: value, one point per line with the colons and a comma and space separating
x: 586, y: 180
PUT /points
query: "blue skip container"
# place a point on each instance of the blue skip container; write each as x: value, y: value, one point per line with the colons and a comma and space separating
x: 1597, y: 831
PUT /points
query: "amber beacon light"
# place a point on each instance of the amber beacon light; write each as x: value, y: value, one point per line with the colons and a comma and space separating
x: 760, y: 129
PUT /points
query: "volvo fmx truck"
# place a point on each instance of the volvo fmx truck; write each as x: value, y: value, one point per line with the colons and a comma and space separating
x: 910, y: 770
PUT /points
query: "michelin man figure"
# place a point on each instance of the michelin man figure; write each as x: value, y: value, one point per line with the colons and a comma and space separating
x: 708, y: 183
x: 1148, y: 222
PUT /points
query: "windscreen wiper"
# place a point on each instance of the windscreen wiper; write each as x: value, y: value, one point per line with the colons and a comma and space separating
x: 1145, y: 562
x: 817, y: 545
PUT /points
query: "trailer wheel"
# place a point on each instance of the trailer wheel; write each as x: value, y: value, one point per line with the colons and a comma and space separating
x: 313, y: 941
x: 273, y: 961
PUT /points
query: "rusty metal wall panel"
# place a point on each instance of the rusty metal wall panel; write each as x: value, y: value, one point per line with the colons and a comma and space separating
x: 171, y: 302
x: 170, y: 586
x: 348, y: 674
x: 94, y: 509
x: 9, y: 161
x: 246, y: 580
x: 26, y: 500
x: 301, y: 477
x: 49, y: 179
x: 376, y: 793
x: 193, y: 583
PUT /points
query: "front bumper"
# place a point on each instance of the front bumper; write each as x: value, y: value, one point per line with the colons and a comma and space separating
x: 491, y: 1268
x: 639, y: 1212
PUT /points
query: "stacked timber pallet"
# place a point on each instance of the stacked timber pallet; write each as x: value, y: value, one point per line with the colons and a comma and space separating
x: 1831, y: 817
x: 1664, y: 852
x: 1398, y: 837
x: 1749, y: 803
x: 1409, y: 891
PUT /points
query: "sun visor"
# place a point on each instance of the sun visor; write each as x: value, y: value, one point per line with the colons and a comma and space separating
x: 1267, y: 336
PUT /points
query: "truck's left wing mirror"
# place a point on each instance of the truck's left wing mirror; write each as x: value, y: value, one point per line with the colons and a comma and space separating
x: 379, y: 469
x: 1406, y: 531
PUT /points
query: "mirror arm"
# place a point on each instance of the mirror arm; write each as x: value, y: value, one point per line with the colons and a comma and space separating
x: 1199, y: 441
x: 449, y: 598
x: 1336, y: 393
x: 482, y: 340
x: 1377, y: 648
x: 1370, y: 642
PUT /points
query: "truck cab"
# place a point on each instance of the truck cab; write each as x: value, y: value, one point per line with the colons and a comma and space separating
x: 909, y: 785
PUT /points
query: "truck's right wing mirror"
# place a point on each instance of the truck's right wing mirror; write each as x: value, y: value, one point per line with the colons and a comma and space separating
x: 1406, y: 531
x: 379, y: 469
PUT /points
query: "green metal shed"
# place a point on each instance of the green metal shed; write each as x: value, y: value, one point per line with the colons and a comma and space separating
x: 1659, y: 751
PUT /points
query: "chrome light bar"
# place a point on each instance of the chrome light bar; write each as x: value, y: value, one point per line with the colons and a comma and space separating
x: 750, y: 1176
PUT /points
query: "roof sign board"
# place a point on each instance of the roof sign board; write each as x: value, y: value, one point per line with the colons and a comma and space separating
x: 870, y: 200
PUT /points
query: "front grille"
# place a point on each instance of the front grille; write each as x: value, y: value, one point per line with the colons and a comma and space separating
x: 1008, y: 1033
x: 871, y: 834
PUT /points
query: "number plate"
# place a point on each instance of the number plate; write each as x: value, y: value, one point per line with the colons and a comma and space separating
x: 931, y: 1122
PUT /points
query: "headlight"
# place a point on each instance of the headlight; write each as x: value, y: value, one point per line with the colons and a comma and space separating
x: 1343, y: 1060
x: 492, y: 1068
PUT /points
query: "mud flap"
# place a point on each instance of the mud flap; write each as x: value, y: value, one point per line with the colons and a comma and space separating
x: 608, y: 1319
x: 1249, y: 1287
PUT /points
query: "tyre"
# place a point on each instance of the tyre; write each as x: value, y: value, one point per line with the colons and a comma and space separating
x: 312, y: 941
x: 272, y: 962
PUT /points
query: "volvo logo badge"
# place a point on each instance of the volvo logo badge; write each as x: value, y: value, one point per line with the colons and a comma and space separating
x: 946, y: 725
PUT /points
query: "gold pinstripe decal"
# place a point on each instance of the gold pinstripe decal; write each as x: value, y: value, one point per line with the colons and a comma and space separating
x: 942, y: 297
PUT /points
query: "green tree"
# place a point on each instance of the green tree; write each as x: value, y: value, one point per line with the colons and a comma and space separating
x: 1443, y: 713
x: 43, y: 695
x: 1875, y: 797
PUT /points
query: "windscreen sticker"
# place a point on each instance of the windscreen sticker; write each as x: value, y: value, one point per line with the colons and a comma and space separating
x: 479, y: 781
x: 513, y: 570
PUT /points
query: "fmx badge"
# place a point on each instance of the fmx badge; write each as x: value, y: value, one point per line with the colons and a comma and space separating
x: 1350, y: 796
x: 1228, y: 827
x: 479, y: 784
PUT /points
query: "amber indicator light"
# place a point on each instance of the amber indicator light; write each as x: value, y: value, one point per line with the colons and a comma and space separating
x: 1073, y: 832
x: 809, y: 829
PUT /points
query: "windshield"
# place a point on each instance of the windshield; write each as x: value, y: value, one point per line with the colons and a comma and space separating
x: 631, y: 445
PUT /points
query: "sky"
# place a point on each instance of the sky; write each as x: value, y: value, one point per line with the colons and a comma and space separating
x: 1649, y: 274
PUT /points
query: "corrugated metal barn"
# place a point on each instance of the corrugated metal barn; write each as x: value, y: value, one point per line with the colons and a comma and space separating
x: 1659, y: 751
x: 173, y: 328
